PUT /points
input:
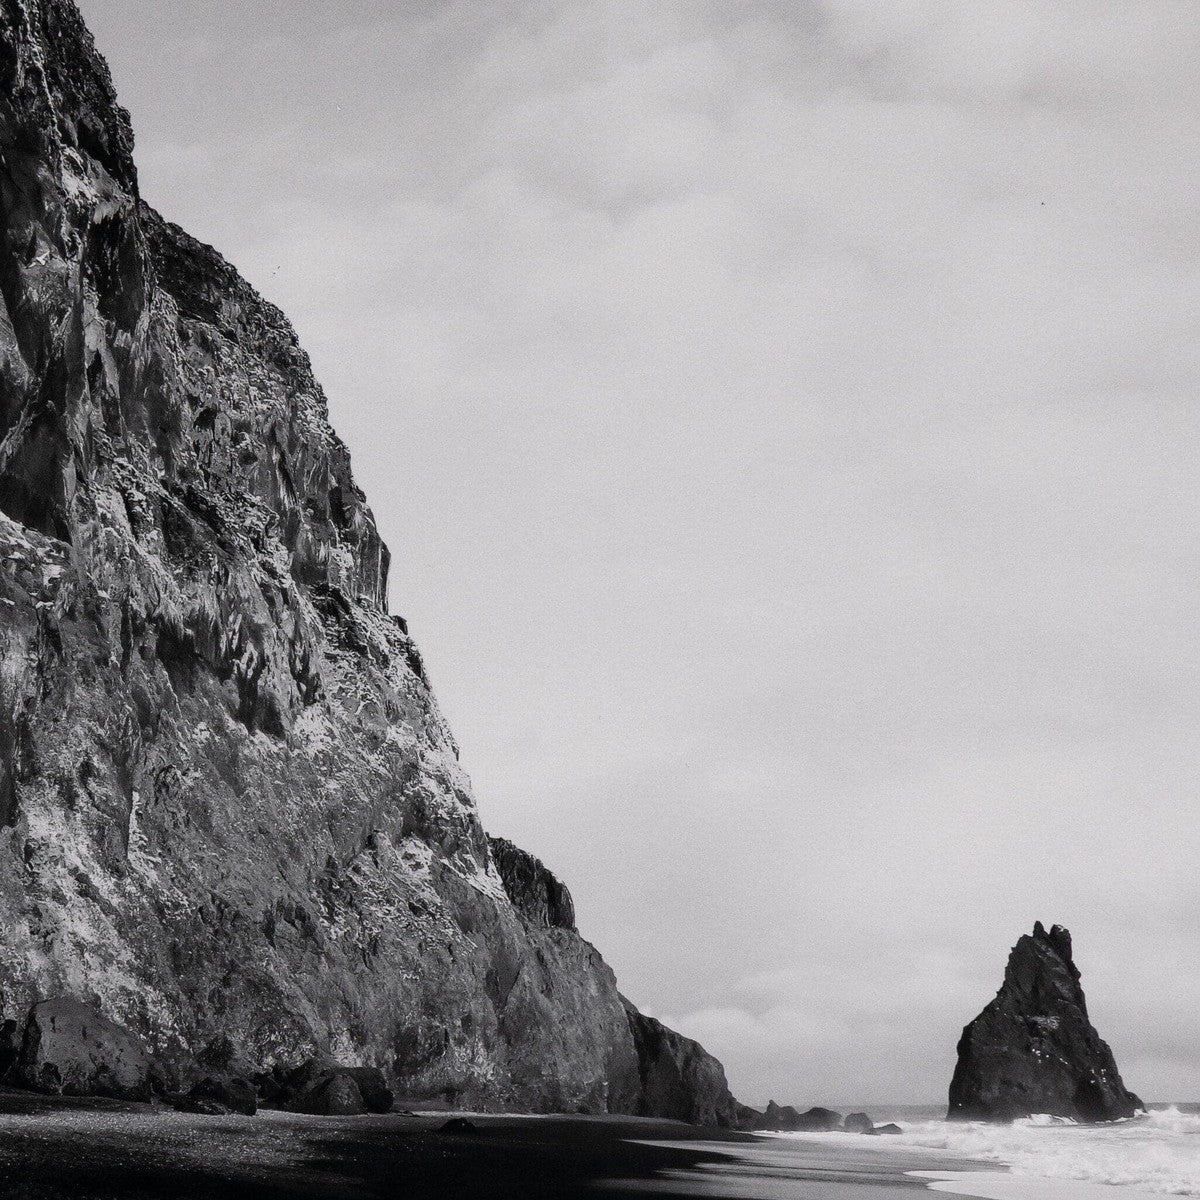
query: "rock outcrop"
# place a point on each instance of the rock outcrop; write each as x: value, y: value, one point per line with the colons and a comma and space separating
x: 536, y: 893
x: 1033, y: 1048
x: 231, y: 814
x: 785, y: 1118
x: 678, y: 1077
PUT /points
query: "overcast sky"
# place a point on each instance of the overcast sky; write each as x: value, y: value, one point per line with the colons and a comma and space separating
x: 783, y: 417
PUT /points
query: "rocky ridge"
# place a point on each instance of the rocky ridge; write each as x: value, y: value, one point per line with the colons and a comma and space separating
x: 1033, y: 1048
x: 232, y: 817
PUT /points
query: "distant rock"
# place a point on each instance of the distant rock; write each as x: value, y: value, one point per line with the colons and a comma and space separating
x: 785, y: 1118
x: 70, y: 1049
x: 775, y: 1117
x: 459, y: 1126
x: 858, y: 1123
x: 679, y: 1078
x: 1033, y: 1049
x: 889, y: 1128
x: 819, y: 1120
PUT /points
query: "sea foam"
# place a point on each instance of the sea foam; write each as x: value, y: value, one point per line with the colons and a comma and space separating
x: 1157, y: 1153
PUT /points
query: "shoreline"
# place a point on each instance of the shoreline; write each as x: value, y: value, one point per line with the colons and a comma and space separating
x: 54, y: 1148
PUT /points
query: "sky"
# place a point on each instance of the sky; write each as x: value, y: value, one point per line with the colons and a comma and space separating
x: 783, y: 418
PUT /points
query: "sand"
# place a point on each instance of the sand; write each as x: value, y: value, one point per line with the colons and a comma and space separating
x: 102, y: 1150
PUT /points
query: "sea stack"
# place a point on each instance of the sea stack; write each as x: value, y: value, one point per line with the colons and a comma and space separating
x: 1033, y: 1049
x: 233, y: 823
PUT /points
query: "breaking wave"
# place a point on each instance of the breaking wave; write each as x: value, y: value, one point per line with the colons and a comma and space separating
x: 1158, y: 1152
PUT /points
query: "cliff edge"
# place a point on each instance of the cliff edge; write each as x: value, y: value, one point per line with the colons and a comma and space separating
x: 231, y: 815
x: 1033, y: 1048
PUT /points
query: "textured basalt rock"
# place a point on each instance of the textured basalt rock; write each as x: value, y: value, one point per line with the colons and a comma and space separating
x: 317, y: 1087
x: 71, y: 1050
x: 679, y: 1078
x: 537, y: 894
x: 1033, y: 1048
x: 231, y: 814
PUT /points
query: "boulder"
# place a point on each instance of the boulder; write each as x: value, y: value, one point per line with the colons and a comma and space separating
x: 858, y: 1123
x: 270, y: 1085
x: 70, y: 1049
x: 1033, y: 1048
x: 459, y: 1126
x: 10, y: 1046
x: 819, y: 1120
x: 889, y: 1128
x: 232, y: 1093
x: 372, y: 1086
x: 332, y: 1095
x: 776, y: 1117
x: 332, y: 1090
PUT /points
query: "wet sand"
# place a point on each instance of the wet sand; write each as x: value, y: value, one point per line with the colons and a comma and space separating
x: 60, y: 1149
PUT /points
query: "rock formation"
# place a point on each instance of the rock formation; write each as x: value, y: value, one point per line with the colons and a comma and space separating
x: 231, y: 815
x: 1033, y: 1049
x: 678, y: 1077
x: 70, y: 1050
x: 787, y: 1118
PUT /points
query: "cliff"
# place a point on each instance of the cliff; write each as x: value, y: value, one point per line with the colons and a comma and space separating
x: 1033, y: 1048
x: 231, y: 815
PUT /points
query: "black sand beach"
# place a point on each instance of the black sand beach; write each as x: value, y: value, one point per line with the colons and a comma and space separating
x: 64, y: 1149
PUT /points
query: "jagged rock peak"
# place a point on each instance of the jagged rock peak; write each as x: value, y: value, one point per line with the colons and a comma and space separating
x: 1033, y: 1048
x: 536, y: 892
x: 1058, y: 939
x: 51, y: 67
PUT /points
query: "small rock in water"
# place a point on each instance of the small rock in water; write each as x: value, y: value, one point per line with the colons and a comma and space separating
x: 858, y: 1123
x: 819, y: 1120
x: 888, y: 1128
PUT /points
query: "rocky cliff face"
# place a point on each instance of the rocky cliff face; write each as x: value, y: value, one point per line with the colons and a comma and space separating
x: 1033, y: 1049
x: 231, y: 815
x: 678, y: 1077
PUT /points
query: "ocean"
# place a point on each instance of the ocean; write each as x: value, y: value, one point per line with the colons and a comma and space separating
x: 1157, y: 1154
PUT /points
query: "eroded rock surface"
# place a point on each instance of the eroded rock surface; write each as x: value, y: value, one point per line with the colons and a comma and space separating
x: 231, y: 814
x: 679, y: 1078
x: 1033, y: 1048
x: 68, y: 1049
